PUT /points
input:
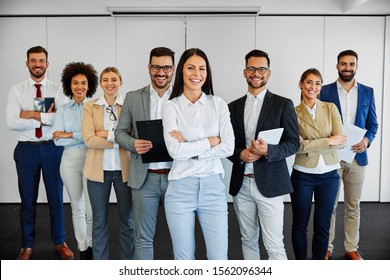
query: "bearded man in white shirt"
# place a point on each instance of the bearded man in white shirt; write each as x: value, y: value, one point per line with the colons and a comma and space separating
x: 36, y: 151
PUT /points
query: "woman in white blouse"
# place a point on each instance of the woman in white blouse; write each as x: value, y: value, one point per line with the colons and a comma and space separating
x: 107, y: 164
x: 197, y: 133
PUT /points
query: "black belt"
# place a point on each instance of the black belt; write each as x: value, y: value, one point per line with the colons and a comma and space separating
x: 45, y: 142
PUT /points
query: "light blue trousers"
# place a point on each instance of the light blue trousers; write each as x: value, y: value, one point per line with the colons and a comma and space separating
x: 146, y: 202
x: 204, y: 197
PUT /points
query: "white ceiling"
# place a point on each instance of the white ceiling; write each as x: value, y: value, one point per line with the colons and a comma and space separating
x: 285, y: 7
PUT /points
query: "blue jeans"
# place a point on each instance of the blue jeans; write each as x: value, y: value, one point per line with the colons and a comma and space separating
x: 204, y: 197
x: 31, y: 159
x: 325, y: 187
x: 146, y: 202
x: 99, y: 195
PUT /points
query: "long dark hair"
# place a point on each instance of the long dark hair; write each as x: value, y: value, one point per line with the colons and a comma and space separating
x: 207, y: 87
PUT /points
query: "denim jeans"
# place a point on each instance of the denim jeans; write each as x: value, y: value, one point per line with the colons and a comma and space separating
x: 99, y: 194
x: 146, y: 202
x: 205, y: 198
x: 324, y: 187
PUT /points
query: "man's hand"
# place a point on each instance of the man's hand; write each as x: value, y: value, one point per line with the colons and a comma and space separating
x: 30, y: 114
x: 361, y: 146
x: 142, y: 146
x: 248, y: 157
x: 259, y: 147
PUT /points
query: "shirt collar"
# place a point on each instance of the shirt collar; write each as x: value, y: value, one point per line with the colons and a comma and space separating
x: 340, y: 87
x: 184, y: 102
x: 72, y: 103
x: 152, y: 91
x: 260, y: 96
x: 102, y: 101
x: 32, y: 82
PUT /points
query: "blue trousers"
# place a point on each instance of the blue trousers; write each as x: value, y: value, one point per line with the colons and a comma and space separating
x: 99, y: 195
x: 31, y: 159
x: 324, y: 187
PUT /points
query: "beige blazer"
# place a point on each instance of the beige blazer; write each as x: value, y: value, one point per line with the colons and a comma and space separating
x: 314, y: 134
x: 93, y: 119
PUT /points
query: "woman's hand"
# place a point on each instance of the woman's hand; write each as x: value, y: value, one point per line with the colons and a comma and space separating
x: 102, y: 133
x: 177, y: 135
x: 61, y: 134
x: 337, y: 140
x: 214, y: 141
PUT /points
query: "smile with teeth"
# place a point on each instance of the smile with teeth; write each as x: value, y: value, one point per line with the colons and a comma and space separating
x: 196, y: 81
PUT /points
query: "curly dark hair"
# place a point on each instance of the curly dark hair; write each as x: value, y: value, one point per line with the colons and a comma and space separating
x: 74, y: 68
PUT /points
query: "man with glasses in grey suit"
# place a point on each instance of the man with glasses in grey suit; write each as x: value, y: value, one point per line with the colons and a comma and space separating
x: 148, y: 181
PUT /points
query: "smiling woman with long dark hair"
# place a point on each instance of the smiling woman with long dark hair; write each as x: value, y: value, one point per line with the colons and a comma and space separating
x: 198, y: 133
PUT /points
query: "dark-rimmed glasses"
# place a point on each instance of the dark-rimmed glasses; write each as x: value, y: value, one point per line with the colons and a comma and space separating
x: 112, y: 115
x: 165, y: 68
x: 252, y: 70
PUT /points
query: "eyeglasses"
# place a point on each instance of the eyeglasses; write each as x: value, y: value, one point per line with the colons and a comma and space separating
x: 165, y: 68
x: 112, y: 116
x: 252, y: 70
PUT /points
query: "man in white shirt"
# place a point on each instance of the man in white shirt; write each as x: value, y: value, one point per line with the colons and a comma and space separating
x: 148, y: 181
x: 260, y: 177
x: 36, y: 151
x: 356, y: 104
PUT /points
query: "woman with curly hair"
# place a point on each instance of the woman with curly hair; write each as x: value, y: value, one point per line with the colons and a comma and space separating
x: 107, y: 165
x: 79, y: 82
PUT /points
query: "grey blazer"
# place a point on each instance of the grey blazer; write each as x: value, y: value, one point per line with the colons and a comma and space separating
x: 136, y: 107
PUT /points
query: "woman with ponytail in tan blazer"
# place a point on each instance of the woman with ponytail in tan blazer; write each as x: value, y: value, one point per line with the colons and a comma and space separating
x: 107, y: 164
x: 315, y: 167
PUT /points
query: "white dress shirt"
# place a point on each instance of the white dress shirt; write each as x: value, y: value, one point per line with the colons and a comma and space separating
x: 156, y: 105
x: 21, y: 98
x: 208, y: 116
x: 253, y: 105
x: 111, y: 161
x: 348, y: 102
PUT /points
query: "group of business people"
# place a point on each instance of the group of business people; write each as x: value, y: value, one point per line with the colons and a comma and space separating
x: 103, y: 148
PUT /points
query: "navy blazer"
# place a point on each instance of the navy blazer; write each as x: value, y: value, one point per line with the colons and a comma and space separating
x: 271, y: 172
x: 365, y: 114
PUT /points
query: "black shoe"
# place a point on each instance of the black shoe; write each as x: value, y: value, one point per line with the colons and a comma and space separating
x: 87, y: 254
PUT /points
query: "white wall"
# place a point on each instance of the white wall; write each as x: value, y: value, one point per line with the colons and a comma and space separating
x: 294, y: 44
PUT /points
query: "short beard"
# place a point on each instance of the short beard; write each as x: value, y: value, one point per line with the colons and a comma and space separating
x: 37, y: 76
x: 346, y: 79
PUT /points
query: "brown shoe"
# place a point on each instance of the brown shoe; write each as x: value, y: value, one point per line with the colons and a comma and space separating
x: 25, y: 254
x: 65, y: 252
x: 355, y: 255
x: 328, y: 255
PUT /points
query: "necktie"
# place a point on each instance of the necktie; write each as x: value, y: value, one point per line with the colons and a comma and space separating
x: 38, y: 131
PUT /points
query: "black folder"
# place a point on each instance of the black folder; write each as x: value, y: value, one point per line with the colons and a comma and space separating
x: 153, y: 130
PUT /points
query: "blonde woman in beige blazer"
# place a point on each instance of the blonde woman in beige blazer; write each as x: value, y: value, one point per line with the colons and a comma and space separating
x: 107, y: 164
x: 315, y: 167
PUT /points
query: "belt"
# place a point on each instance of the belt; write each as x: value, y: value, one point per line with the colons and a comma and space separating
x: 46, y: 142
x: 251, y: 175
x: 159, y: 171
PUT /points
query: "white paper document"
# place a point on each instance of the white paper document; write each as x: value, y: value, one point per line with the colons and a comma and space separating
x: 354, y: 135
x: 271, y: 136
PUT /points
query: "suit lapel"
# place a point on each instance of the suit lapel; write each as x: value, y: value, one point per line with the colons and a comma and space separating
x: 360, y: 104
x: 240, y: 118
x: 146, y: 103
x: 335, y: 97
x: 267, y: 103
x: 305, y: 116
